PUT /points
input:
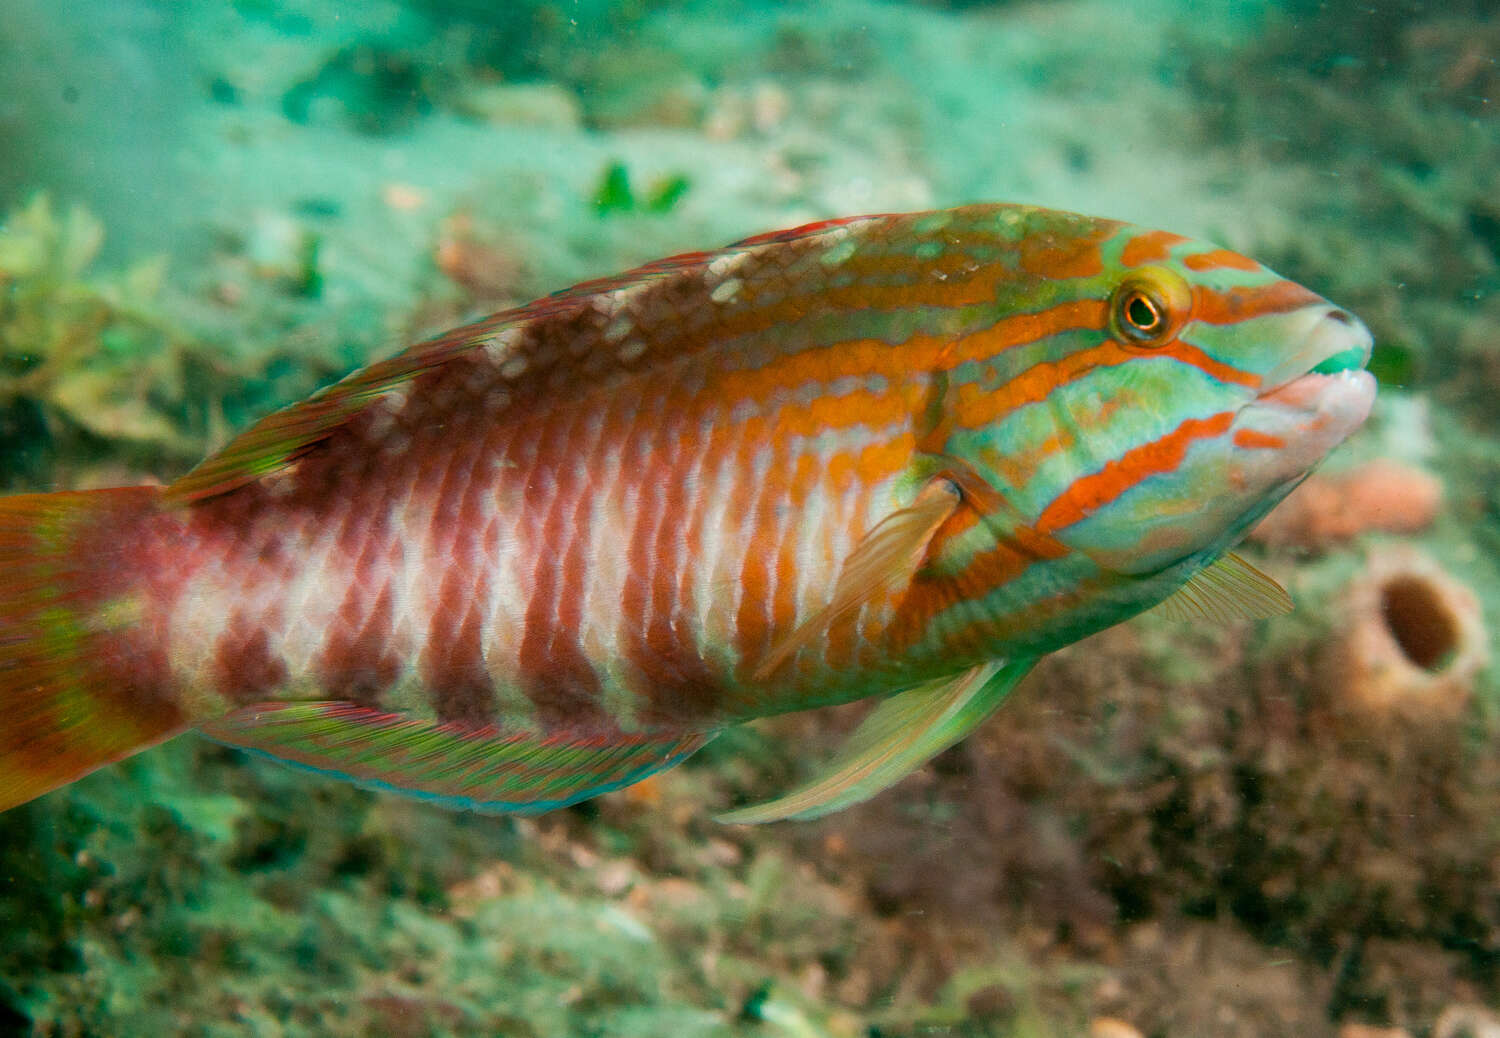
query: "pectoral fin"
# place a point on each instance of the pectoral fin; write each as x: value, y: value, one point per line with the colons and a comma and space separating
x: 1230, y: 589
x: 887, y: 557
x: 899, y: 736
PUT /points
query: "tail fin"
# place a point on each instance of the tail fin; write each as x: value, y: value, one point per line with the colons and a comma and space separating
x: 80, y: 685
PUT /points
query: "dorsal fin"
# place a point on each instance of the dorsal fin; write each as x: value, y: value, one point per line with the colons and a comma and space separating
x: 283, y: 436
x: 586, y: 335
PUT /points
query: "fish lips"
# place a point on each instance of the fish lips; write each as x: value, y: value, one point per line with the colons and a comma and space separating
x: 1315, y: 400
x: 1327, y: 340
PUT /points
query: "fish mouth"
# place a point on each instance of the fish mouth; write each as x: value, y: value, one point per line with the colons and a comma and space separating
x: 1333, y: 352
x: 1346, y: 390
x: 1322, y: 392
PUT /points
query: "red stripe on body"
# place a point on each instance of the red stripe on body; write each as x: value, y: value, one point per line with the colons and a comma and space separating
x: 359, y: 660
x: 986, y: 572
x: 1253, y: 439
x: 978, y: 405
x: 1150, y: 247
x: 1230, y: 306
x: 1220, y: 259
x: 753, y: 621
x: 864, y: 358
x: 256, y: 570
x: 1066, y: 256
x: 244, y: 670
x: 802, y: 482
x: 554, y: 671
x: 681, y: 683
x: 1090, y: 492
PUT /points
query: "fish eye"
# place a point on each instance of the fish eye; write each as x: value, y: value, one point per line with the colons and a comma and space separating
x: 1142, y: 314
x: 1150, y: 306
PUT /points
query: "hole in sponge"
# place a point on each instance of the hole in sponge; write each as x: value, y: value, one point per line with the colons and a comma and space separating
x: 1420, y: 621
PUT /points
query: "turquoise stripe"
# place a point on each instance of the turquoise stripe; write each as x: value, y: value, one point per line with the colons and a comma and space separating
x: 1152, y: 396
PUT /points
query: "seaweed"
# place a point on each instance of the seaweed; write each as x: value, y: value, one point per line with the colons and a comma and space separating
x: 615, y: 194
x: 89, y: 366
x: 380, y: 91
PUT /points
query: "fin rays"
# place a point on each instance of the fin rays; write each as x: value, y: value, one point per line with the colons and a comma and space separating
x: 887, y: 557
x: 484, y: 769
x: 1229, y: 589
x: 899, y: 735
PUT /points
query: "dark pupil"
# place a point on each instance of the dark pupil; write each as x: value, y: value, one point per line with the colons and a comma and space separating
x: 1141, y: 313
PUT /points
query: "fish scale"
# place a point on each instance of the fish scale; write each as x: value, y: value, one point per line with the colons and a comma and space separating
x: 553, y: 551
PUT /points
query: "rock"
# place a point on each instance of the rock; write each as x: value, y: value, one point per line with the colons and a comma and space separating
x: 1112, y: 1027
x: 1463, y: 1021
x: 1384, y: 496
x: 1367, y: 1031
x: 521, y: 104
x: 1412, y: 643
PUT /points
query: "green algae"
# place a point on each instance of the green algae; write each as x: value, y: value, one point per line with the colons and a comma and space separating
x: 615, y: 194
x: 74, y: 344
x: 175, y: 912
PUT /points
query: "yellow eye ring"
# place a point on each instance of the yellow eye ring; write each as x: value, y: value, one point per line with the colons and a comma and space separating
x: 1150, y: 307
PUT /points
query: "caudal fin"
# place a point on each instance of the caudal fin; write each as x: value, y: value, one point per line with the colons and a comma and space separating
x: 80, y: 686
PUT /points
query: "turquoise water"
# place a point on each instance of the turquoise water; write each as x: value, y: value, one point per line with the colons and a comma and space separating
x: 1285, y: 827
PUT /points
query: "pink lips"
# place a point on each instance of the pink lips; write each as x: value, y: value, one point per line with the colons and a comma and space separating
x: 1348, y: 395
x: 1302, y: 392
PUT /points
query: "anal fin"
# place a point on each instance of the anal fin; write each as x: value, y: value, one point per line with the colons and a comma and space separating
x: 899, y: 735
x: 484, y: 769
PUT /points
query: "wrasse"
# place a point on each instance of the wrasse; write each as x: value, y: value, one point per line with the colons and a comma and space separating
x: 555, y: 551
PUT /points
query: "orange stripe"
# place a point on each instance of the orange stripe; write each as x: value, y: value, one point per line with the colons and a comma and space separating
x: 828, y: 413
x: 923, y: 353
x: 1091, y: 492
x: 752, y: 624
x: 1149, y: 247
x: 877, y: 462
x: 985, y: 572
x: 1066, y: 256
x: 1020, y: 329
x: 1220, y: 259
x: 876, y: 282
x: 1190, y: 354
x: 796, y: 283
x: 1240, y: 304
x: 978, y: 406
x: 802, y: 480
x: 1252, y: 439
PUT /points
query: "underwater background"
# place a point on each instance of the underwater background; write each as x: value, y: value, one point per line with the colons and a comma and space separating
x: 1286, y: 827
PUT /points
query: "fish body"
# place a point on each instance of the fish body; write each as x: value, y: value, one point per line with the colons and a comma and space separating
x: 556, y: 550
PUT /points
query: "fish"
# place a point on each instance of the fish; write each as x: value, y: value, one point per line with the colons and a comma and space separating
x: 541, y: 557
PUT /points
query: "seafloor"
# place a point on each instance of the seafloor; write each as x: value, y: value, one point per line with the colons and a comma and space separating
x: 1286, y: 827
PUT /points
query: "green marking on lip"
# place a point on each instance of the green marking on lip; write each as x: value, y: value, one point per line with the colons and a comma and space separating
x: 1351, y: 359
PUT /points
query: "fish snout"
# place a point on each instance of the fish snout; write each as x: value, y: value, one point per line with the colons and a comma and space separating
x: 1329, y: 341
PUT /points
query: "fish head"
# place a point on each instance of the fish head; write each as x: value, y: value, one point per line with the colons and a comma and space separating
x: 1202, y: 390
